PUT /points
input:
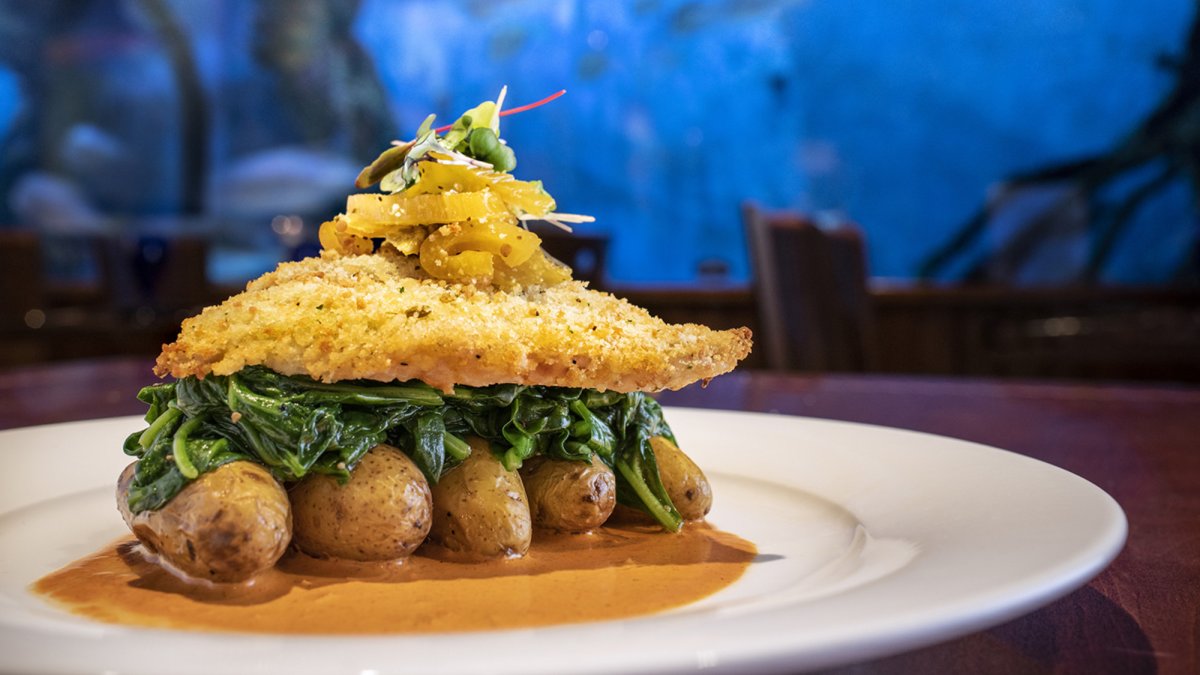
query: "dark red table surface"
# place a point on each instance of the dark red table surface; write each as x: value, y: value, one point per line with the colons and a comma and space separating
x: 1140, y: 443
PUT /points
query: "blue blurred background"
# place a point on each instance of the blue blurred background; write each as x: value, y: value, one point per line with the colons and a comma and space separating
x: 898, y: 115
x: 1024, y: 143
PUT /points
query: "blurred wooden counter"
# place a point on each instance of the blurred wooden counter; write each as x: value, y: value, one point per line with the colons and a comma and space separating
x: 1082, y: 333
x: 1124, y: 333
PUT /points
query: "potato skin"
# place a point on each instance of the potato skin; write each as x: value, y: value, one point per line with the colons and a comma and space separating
x: 569, y: 496
x: 685, y: 482
x: 227, y: 525
x: 480, y: 510
x: 382, y: 513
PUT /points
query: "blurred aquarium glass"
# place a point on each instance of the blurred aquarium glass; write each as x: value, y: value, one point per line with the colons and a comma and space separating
x: 245, y: 122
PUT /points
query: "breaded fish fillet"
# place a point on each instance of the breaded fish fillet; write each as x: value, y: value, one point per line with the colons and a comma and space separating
x: 379, y: 317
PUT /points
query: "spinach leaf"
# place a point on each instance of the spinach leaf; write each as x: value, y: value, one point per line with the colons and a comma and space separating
x: 638, y: 482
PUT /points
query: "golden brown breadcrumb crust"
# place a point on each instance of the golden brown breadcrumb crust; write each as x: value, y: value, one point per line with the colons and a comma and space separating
x: 379, y: 317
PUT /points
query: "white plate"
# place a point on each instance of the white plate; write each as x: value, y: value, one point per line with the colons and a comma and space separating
x: 872, y: 541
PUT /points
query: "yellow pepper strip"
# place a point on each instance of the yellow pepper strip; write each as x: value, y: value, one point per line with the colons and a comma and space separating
x: 371, y: 215
x: 436, y: 177
x: 464, y: 251
x: 519, y: 196
x: 541, y: 269
x: 465, y: 267
x: 334, y: 237
x: 522, y: 196
x: 407, y: 240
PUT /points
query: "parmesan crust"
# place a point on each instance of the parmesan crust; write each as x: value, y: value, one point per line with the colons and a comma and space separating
x: 379, y: 317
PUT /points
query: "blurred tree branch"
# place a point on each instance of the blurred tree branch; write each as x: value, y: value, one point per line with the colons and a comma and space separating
x: 193, y: 105
x: 325, y: 77
x: 1170, y: 135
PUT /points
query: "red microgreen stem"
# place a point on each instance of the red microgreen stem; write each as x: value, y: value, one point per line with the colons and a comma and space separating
x: 514, y: 111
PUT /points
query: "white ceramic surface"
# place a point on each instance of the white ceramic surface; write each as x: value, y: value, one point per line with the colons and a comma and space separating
x: 872, y: 541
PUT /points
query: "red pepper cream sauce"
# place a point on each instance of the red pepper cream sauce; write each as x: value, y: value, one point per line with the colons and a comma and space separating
x: 611, y: 573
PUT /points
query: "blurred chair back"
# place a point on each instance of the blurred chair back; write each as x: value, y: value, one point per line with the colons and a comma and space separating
x: 160, y: 272
x: 811, y: 290
x: 183, y: 281
x: 22, y: 285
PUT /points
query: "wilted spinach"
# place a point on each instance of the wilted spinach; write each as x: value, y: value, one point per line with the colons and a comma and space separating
x: 295, y: 426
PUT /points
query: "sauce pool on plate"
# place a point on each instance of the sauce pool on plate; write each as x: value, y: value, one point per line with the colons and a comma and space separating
x: 612, y: 573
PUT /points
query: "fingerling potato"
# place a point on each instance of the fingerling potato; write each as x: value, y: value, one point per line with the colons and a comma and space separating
x: 382, y: 513
x: 569, y: 496
x: 480, y: 510
x: 227, y: 525
x: 685, y: 482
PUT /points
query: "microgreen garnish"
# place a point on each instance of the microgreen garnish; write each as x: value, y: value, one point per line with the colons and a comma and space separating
x: 518, y: 109
x: 473, y: 141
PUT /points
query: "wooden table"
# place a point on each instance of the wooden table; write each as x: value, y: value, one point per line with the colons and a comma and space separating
x: 1139, y: 443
